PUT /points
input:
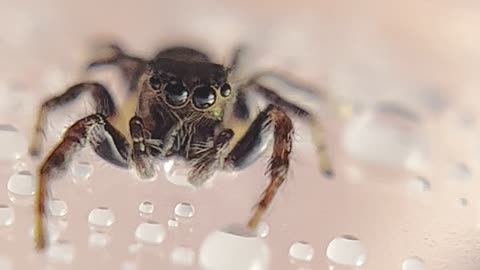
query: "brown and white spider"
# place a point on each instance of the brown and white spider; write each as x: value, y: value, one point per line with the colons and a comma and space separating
x: 180, y: 105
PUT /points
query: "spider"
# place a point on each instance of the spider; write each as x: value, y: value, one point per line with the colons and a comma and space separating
x: 180, y: 105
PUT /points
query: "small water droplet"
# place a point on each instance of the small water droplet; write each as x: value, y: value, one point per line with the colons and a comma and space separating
x: 347, y: 250
x: 184, y: 210
x: 173, y: 222
x: 61, y: 252
x: 418, y: 184
x: 81, y: 171
x: 301, y: 251
x: 263, y: 229
x: 7, y: 215
x: 98, y: 239
x: 413, y: 263
x: 146, y: 208
x: 234, y: 251
x: 463, y: 202
x: 460, y: 171
x: 22, y: 183
x: 20, y: 166
x: 176, y: 172
x: 182, y: 256
x: 58, y: 208
x: 101, y: 217
x: 150, y: 232
x: 12, y: 143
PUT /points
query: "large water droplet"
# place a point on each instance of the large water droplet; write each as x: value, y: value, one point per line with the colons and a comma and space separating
x: 347, y: 250
x: 12, y: 143
x: 184, y: 210
x: 101, y: 217
x: 58, y: 208
x: 22, y: 183
x: 7, y: 215
x: 150, y: 232
x: 301, y: 251
x: 385, y: 136
x: 61, y: 252
x: 146, y: 208
x: 413, y: 263
x: 81, y: 171
x: 182, y: 256
x: 234, y: 251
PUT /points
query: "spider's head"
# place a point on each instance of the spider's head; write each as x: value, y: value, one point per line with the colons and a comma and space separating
x: 191, y: 87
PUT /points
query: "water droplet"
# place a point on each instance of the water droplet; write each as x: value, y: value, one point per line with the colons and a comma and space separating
x: 5, y: 263
x: 386, y: 137
x: 150, y: 232
x: 58, y: 208
x: 413, y: 263
x: 460, y: 171
x: 7, y: 215
x: 184, y: 210
x: 146, y: 208
x: 22, y: 183
x: 182, y: 256
x: 234, y: 251
x: 12, y: 143
x: 347, y: 250
x: 176, y: 172
x: 263, y: 229
x: 81, y: 171
x: 301, y: 251
x: 173, y: 222
x: 60, y: 252
x: 98, y: 239
x: 20, y: 166
x: 101, y: 217
x: 418, y: 184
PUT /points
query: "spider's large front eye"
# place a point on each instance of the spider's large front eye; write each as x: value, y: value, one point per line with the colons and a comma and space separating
x: 155, y: 82
x: 203, y: 97
x: 176, y: 94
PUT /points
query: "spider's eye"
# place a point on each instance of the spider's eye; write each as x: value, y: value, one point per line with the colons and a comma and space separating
x: 203, y: 97
x: 155, y: 82
x: 176, y: 94
x: 225, y: 90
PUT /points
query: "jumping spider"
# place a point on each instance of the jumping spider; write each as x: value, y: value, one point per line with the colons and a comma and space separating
x: 180, y: 105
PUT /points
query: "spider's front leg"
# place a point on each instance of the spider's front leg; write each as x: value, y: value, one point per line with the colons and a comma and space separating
x: 271, y: 117
x: 141, y: 158
x: 93, y: 129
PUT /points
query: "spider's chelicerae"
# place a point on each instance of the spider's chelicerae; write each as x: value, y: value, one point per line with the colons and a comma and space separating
x: 180, y: 105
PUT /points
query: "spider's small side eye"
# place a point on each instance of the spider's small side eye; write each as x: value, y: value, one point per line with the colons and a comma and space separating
x: 203, y: 97
x: 176, y: 93
x: 225, y: 90
x: 155, y: 82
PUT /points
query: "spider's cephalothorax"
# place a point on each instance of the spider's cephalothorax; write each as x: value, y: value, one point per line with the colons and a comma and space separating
x: 180, y: 105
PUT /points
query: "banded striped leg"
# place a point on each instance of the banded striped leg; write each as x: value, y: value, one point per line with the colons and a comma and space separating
x: 314, y: 125
x: 103, y: 102
x: 271, y: 117
x: 93, y: 129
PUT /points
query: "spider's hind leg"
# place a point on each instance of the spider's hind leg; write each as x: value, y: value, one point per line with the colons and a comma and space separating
x: 94, y: 130
x: 101, y: 97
